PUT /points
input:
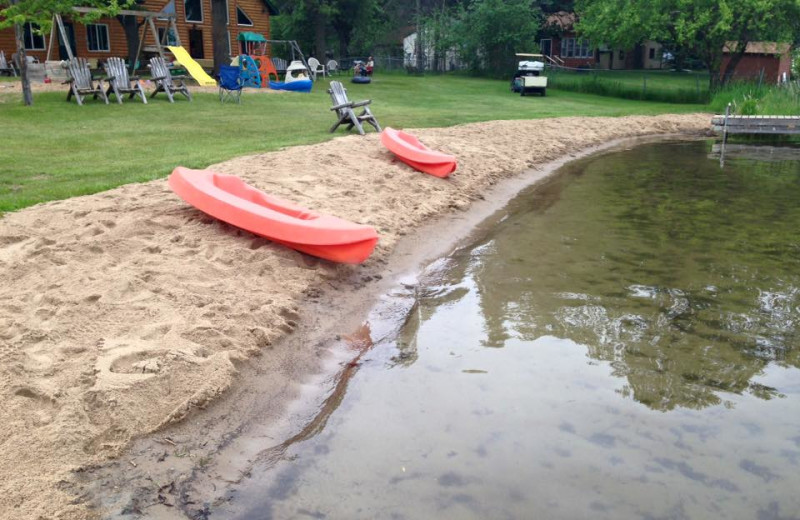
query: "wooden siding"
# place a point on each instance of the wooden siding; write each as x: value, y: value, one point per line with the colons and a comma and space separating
x: 752, y: 65
x: 256, y: 10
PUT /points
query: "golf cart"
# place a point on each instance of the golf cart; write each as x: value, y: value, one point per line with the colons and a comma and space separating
x: 528, y: 77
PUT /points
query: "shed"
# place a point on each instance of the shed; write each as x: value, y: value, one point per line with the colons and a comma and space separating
x: 767, y: 61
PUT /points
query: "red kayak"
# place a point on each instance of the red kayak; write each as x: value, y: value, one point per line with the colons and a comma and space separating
x: 408, y: 149
x: 231, y: 200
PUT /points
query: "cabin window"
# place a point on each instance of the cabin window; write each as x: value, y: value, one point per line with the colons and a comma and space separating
x: 33, y: 41
x: 652, y: 53
x: 171, y: 39
x: 194, y: 10
x: 575, y: 48
x: 97, y: 37
x: 242, y: 18
x: 622, y: 55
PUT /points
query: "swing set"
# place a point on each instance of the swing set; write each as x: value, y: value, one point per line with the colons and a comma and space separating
x: 258, y: 58
x: 150, y: 22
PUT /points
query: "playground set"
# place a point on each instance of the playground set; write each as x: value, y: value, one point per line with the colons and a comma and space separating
x: 257, y: 66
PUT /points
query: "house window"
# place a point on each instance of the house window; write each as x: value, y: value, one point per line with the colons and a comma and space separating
x: 242, y: 18
x: 229, y: 43
x: 622, y: 55
x: 33, y: 40
x: 575, y: 48
x: 193, y: 10
x: 652, y: 53
x: 97, y: 37
x: 171, y: 39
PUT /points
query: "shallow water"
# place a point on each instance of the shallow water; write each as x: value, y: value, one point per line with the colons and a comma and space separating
x: 622, y: 344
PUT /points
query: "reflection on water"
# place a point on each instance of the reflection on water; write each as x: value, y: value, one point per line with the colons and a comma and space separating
x: 623, y: 345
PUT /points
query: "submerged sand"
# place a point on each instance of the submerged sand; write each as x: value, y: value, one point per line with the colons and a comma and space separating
x: 126, y: 311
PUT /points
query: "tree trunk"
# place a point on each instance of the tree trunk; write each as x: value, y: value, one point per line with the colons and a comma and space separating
x: 741, y: 47
x: 27, y: 95
x: 131, y: 27
x: 219, y: 34
x: 319, y: 34
x: 420, y: 54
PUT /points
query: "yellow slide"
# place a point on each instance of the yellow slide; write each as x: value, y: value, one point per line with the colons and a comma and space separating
x: 192, y: 67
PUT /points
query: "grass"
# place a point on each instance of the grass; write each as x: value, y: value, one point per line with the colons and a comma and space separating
x: 652, y: 85
x: 55, y: 150
x: 748, y: 99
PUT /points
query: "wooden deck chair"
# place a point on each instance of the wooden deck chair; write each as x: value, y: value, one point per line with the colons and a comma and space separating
x: 81, y: 82
x: 345, y: 109
x: 165, y: 82
x: 280, y: 65
x: 120, y: 83
x: 6, y: 67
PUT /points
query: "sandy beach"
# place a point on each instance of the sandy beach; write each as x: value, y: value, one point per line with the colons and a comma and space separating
x: 124, y: 312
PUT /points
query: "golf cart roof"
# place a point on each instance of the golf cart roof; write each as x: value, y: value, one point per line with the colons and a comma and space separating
x: 524, y: 55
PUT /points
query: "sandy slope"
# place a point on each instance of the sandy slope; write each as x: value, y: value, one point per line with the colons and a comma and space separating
x: 121, y: 312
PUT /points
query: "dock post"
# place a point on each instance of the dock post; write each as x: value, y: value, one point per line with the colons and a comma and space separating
x: 724, y: 136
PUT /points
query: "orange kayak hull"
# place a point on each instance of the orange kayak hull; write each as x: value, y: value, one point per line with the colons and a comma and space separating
x: 411, y: 151
x: 230, y: 199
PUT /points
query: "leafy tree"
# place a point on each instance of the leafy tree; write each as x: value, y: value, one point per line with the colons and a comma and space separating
x: 488, y: 33
x: 702, y: 27
x: 17, y: 13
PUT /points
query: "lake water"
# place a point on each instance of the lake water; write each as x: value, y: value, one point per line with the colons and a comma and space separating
x: 623, y: 343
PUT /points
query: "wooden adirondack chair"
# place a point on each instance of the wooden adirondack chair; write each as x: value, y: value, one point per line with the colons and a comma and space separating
x: 165, y: 82
x: 81, y: 82
x: 6, y: 67
x: 345, y: 109
x: 120, y: 83
x: 280, y: 65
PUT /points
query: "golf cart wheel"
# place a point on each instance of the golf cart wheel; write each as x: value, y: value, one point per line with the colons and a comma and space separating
x: 522, y: 91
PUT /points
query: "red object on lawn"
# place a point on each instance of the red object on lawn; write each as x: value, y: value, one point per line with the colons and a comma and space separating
x: 408, y: 149
x: 230, y: 199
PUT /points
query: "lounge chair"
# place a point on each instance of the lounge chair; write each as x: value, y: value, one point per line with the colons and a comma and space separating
x: 120, y: 83
x: 230, y: 84
x: 81, y: 82
x: 165, y: 82
x: 315, y: 67
x: 345, y: 110
x: 6, y: 67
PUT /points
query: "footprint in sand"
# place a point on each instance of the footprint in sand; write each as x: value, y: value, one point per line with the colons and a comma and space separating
x: 37, y: 407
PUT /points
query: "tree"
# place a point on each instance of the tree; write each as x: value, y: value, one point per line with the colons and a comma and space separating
x: 488, y: 33
x: 702, y: 27
x: 17, y: 13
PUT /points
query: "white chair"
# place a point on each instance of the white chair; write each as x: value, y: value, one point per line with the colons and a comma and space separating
x: 315, y: 66
x: 332, y: 67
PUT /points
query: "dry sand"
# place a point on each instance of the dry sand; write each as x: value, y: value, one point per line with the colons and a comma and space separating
x: 124, y: 311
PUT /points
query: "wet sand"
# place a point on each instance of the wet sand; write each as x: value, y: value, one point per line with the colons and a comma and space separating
x: 123, y: 313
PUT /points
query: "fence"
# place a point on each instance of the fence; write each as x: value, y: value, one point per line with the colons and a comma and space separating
x: 391, y: 63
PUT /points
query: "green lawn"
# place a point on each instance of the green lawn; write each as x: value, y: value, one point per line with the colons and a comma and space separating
x: 55, y: 150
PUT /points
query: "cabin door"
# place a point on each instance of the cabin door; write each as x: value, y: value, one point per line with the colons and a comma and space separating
x: 546, y: 46
x: 196, y: 43
x: 62, y: 47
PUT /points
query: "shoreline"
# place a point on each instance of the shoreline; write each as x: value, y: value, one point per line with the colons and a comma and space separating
x: 278, y: 354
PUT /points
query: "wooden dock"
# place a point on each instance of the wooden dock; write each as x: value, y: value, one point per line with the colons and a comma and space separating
x: 775, y: 125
